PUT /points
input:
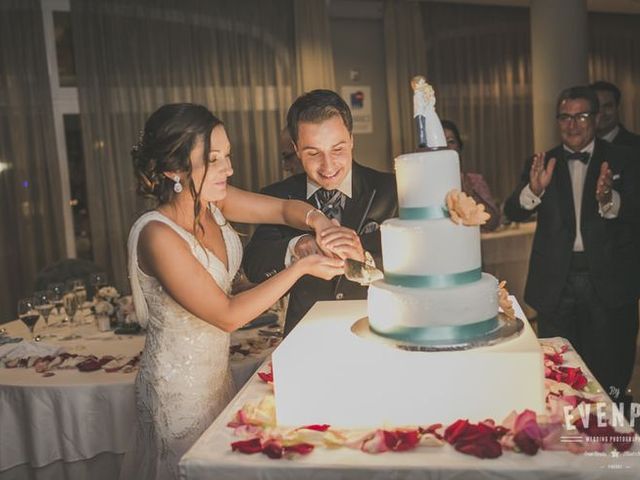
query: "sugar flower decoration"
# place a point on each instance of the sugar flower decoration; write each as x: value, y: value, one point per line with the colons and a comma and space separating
x: 504, y: 301
x: 108, y: 293
x: 103, y: 307
x: 464, y: 210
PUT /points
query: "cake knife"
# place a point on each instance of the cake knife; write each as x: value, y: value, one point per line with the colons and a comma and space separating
x: 360, y: 272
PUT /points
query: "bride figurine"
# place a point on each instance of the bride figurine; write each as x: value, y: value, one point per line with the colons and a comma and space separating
x: 183, y: 257
x: 430, y: 132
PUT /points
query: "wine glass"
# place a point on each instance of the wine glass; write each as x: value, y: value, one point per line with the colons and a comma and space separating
x: 70, y: 301
x: 57, y: 291
x: 28, y: 313
x: 78, y: 287
x: 43, y: 303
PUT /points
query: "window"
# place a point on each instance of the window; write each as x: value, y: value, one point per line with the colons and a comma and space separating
x: 78, y: 186
x: 64, y: 49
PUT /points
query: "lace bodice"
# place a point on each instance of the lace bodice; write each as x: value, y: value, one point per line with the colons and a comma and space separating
x: 184, y: 379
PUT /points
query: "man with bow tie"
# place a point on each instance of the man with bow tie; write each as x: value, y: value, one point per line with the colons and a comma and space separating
x: 358, y: 198
x: 583, y: 264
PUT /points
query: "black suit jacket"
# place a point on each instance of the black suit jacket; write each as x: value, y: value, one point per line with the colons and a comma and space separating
x: 608, y: 244
x: 627, y: 138
x: 264, y: 255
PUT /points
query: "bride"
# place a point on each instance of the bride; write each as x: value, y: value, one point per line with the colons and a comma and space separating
x: 183, y: 257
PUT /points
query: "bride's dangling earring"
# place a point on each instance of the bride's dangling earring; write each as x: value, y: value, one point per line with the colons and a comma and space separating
x: 177, y: 186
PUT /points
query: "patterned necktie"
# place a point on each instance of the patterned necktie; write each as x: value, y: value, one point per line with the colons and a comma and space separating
x: 581, y: 156
x: 330, y: 202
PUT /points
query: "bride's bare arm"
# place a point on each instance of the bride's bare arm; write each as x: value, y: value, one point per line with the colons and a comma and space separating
x: 163, y: 254
x: 248, y: 207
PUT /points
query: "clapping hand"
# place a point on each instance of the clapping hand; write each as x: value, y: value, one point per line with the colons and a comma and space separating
x: 604, y: 184
x: 539, y: 175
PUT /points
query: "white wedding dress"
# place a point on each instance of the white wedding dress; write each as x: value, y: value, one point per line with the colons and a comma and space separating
x: 184, y: 379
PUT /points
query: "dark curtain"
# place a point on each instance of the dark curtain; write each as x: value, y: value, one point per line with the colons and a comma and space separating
x: 614, y: 56
x: 237, y: 58
x: 31, y: 223
x: 479, y: 61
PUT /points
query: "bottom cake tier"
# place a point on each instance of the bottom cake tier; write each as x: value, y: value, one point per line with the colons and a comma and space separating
x: 451, y: 313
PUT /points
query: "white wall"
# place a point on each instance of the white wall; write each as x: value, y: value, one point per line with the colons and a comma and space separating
x: 358, y: 44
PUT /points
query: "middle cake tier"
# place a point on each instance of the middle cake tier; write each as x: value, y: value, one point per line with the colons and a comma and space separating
x: 430, y: 253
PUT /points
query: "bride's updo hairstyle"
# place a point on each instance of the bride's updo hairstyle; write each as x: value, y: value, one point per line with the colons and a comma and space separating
x: 165, y: 144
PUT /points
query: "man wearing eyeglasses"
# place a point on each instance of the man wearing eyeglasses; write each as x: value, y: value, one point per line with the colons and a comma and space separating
x: 583, y: 264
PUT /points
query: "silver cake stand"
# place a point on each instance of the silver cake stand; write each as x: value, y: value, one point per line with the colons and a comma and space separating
x: 507, y: 329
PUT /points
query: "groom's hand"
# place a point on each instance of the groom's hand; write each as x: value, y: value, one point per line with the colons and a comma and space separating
x: 343, y: 242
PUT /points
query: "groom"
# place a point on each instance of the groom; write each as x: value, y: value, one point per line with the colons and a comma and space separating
x: 358, y: 197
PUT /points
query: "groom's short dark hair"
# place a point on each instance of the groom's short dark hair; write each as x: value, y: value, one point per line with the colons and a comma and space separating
x: 317, y: 106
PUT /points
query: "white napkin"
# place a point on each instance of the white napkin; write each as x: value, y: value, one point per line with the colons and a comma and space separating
x: 27, y: 349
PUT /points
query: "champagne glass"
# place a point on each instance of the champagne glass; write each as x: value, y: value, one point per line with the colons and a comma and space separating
x: 70, y: 301
x: 57, y: 291
x: 43, y: 303
x: 28, y: 313
x: 78, y: 288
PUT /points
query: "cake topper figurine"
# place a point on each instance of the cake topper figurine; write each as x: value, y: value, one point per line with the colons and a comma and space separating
x: 430, y: 132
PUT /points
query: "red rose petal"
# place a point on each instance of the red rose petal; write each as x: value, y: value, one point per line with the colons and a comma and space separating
x: 486, y: 448
x: 273, y: 449
x: 390, y: 439
x: 526, y: 443
x: 317, y: 428
x: 91, y: 364
x: 301, y: 448
x: 407, y: 440
x: 454, y: 430
x: 478, y: 440
x: 432, y: 430
x: 253, y: 445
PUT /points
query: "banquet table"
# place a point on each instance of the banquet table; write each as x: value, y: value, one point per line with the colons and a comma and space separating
x: 211, y: 456
x: 78, y: 424
x: 505, y: 255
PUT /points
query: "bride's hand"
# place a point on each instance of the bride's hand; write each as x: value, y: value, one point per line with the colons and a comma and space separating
x: 321, y: 266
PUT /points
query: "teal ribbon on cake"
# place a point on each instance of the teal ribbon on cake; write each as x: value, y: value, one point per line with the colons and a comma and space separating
x: 432, y: 212
x: 434, y: 281
x: 439, y: 334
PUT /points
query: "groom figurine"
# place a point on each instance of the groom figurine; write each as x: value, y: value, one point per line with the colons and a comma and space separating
x: 357, y: 197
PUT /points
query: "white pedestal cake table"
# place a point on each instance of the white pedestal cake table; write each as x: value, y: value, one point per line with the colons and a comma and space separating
x: 211, y: 455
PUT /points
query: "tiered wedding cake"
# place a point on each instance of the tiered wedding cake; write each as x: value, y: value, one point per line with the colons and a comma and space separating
x: 433, y: 289
x: 439, y: 351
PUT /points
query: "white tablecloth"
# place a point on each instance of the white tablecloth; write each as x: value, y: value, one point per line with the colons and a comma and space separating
x: 73, y: 416
x: 211, y: 457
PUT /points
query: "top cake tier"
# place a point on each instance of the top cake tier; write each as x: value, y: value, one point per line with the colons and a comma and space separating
x: 425, y: 178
